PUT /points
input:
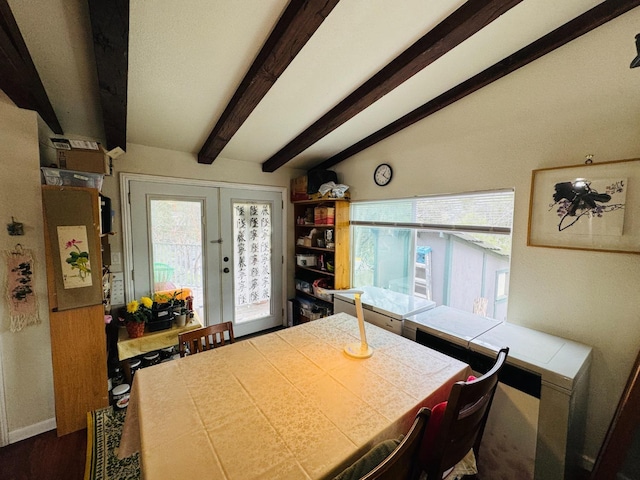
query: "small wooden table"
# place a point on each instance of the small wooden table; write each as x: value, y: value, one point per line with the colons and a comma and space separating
x: 149, y: 342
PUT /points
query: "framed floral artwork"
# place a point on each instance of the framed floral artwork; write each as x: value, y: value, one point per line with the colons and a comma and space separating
x: 74, y: 256
x: 594, y: 206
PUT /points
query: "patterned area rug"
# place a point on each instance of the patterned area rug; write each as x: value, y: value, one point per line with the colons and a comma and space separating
x: 103, y: 439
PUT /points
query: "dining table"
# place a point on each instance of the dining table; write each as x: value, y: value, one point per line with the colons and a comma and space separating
x: 290, y: 404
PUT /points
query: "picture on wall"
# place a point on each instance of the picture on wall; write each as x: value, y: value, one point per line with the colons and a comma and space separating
x: 589, y: 206
x: 74, y: 256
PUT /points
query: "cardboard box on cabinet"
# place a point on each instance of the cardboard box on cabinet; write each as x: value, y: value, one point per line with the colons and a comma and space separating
x: 299, y: 189
x: 71, y: 156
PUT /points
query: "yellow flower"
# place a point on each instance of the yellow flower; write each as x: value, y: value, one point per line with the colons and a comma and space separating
x: 132, y: 306
x: 161, y: 297
x: 147, y: 302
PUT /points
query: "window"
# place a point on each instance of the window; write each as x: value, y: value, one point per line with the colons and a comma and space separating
x: 502, y: 284
x: 452, y: 249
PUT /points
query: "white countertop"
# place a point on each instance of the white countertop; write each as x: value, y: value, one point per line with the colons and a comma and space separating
x: 386, y: 302
x: 559, y: 361
x: 456, y: 326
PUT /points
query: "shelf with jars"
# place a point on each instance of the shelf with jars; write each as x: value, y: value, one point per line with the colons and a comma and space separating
x: 322, y: 255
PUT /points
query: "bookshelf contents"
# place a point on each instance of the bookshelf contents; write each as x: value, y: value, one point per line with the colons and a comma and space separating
x: 321, y: 255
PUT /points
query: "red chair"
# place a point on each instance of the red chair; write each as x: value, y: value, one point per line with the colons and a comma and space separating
x: 450, y: 437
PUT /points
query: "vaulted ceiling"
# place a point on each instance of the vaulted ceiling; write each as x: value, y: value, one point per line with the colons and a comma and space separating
x: 299, y: 83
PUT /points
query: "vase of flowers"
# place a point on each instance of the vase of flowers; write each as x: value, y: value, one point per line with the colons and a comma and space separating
x: 137, y: 315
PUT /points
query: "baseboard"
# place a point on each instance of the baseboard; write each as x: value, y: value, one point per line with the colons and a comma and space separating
x: 32, y: 430
x: 586, y: 463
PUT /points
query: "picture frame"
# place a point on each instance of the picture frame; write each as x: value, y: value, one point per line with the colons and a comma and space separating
x: 593, y: 206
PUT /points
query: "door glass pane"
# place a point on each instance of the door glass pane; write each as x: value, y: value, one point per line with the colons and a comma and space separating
x: 176, y: 242
x: 252, y: 258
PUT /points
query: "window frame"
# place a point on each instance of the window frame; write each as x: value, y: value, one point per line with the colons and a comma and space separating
x: 412, y: 208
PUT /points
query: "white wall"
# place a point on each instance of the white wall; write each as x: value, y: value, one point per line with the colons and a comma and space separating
x: 581, y: 99
x: 26, y: 355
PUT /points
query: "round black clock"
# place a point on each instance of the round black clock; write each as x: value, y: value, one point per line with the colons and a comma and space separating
x: 382, y: 174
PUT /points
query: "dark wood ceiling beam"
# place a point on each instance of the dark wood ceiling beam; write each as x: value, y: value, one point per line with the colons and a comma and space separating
x: 577, y: 27
x: 295, y: 27
x: 19, y: 78
x: 110, y: 27
x: 456, y: 28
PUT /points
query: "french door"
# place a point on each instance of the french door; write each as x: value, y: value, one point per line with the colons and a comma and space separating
x: 252, y: 256
x: 224, y: 244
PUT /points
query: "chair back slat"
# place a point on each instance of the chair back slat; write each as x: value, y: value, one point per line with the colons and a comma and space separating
x: 205, y: 338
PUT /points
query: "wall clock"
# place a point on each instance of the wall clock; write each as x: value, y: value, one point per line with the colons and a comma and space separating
x: 382, y: 174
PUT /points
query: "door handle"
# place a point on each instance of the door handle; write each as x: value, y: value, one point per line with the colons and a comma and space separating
x: 216, y: 241
x: 225, y: 270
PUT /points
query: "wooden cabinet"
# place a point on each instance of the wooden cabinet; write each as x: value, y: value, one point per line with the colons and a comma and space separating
x: 76, y: 315
x: 321, y: 254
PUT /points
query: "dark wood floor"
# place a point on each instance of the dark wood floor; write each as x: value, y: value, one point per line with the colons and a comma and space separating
x: 45, y: 457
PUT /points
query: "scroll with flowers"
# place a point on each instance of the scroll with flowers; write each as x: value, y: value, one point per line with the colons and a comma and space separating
x: 72, y: 226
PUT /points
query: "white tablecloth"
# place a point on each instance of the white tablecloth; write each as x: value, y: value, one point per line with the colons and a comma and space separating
x: 287, y: 405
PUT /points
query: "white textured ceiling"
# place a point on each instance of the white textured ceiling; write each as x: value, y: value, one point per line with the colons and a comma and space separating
x: 186, y: 58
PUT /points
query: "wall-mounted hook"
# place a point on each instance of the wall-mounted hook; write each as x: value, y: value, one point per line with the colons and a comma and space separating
x: 15, y: 228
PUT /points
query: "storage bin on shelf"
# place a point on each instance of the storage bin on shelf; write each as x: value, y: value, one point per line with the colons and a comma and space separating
x: 324, y: 215
x: 303, y: 286
x: 319, y: 285
x: 311, y: 310
x: 72, y: 178
x: 306, y: 260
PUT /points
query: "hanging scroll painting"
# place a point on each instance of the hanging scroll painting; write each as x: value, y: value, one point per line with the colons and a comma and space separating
x: 72, y: 225
x: 22, y: 301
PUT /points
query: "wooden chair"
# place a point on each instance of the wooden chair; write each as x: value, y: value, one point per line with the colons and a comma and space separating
x: 463, y: 422
x: 392, y: 459
x: 205, y: 338
x: 402, y: 464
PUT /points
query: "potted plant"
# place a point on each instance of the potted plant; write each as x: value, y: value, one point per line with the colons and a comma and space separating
x: 137, y: 315
x: 181, y: 316
x: 173, y: 301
